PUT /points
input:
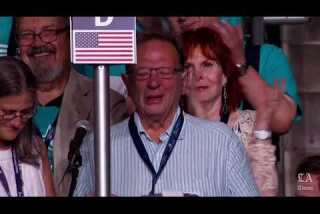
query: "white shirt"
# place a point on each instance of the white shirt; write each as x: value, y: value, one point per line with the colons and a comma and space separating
x: 32, y: 178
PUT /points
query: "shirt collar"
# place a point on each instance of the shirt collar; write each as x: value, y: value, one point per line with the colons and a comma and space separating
x: 142, y: 131
x: 55, y: 102
x: 5, y: 154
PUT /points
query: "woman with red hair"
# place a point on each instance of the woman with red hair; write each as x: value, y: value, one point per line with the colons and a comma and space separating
x: 213, y: 93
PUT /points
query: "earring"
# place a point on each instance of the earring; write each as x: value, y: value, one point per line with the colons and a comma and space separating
x: 224, y: 100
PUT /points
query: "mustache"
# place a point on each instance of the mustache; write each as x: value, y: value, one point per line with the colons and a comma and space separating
x: 41, y: 49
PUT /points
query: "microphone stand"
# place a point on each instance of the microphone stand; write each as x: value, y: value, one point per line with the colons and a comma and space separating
x: 102, y: 131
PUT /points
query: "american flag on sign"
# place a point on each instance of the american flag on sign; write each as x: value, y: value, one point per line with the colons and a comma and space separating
x: 104, y: 47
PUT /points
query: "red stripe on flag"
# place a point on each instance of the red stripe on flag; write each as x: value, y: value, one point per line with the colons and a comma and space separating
x: 115, y: 33
x: 115, y: 37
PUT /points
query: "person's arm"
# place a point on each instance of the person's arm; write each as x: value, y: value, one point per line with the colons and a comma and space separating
x: 263, y: 158
x: 46, y: 171
x: 257, y: 92
x: 255, y: 89
x: 261, y: 151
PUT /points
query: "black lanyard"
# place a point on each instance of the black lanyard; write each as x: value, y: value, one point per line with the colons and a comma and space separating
x: 17, y: 174
x: 166, y: 154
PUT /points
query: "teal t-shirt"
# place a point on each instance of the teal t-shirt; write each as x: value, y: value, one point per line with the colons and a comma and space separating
x: 5, y: 30
x: 232, y: 20
x: 45, y: 120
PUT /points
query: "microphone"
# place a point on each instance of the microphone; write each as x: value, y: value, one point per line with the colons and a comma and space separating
x: 83, y: 127
x: 74, y: 156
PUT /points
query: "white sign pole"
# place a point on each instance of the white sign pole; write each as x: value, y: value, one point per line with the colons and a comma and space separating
x: 102, y: 131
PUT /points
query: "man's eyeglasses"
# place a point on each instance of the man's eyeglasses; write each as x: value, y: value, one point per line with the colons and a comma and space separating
x: 163, y: 72
x: 25, y: 115
x: 26, y: 38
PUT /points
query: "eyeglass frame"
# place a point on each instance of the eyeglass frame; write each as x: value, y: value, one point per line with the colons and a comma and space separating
x: 57, y: 32
x: 23, y: 116
x: 149, y: 71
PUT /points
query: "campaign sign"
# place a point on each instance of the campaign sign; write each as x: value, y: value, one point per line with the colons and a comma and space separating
x: 103, y: 40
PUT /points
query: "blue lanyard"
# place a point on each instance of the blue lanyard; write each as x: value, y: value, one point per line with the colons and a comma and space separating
x: 18, y: 178
x: 167, y: 152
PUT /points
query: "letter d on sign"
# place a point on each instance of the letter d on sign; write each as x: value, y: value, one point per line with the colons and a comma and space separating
x: 100, y: 23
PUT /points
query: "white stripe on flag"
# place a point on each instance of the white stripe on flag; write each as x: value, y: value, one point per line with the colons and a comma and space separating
x: 3, y: 46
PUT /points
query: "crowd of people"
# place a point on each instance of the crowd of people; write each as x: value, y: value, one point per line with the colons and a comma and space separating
x: 197, y: 119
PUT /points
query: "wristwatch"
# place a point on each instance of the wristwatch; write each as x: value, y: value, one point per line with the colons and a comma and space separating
x: 243, y: 68
x: 262, y: 134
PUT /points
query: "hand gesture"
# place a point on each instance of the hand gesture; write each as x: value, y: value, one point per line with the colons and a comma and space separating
x: 179, y: 24
x: 233, y: 38
x: 274, y: 97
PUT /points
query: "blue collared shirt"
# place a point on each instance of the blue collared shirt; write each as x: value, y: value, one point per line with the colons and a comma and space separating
x: 208, y: 160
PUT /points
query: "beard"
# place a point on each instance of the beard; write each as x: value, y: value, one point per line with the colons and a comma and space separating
x: 45, y: 68
x: 45, y: 73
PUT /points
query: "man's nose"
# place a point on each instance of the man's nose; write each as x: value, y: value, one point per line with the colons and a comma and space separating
x: 37, y: 41
x: 154, y: 79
